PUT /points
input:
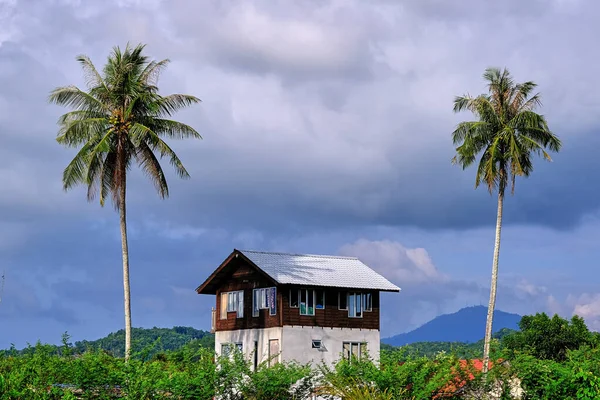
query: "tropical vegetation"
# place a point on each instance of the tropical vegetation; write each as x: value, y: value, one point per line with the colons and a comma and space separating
x: 506, y: 134
x: 192, y: 372
x: 120, y: 120
x: 153, y: 341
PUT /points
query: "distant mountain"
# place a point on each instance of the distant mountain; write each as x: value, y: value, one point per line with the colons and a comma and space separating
x: 466, y: 325
x: 152, y: 341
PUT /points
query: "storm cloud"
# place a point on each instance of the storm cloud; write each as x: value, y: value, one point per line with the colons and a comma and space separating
x: 326, y: 129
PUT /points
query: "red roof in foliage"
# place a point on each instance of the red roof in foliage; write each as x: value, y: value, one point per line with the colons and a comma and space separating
x: 469, y: 367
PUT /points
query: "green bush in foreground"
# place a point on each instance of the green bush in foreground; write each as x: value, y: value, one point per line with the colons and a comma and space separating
x: 192, y: 373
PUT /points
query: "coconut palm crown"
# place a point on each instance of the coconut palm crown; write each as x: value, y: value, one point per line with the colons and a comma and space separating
x: 507, y: 134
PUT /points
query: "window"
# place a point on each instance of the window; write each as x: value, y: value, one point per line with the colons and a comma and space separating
x: 342, y: 301
x: 293, y: 298
x: 320, y: 299
x: 316, y: 344
x: 226, y: 348
x: 223, y: 308
x: 264, y: 299
x: 232, y: 302
x: 307, y: 300
x: 355, y: 305
x: 354, y: 350
x: 368, y: 301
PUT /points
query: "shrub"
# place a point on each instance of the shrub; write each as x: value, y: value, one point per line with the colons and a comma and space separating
x: 42, y: 373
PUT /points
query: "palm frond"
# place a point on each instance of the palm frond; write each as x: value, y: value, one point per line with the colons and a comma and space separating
x: 151, y: 166
x: 77, y: 132
x: 534, y: 146
x: 493, y: 167
x: 91, y: 74
x: 462, y: 103
x: 150, y: 74
x: 76, y: 171
x: 93, y: 174
x: 141, y: 134
x: 73, y: 97
x: 173, y: 129
x: 78, y: 115
x: 486, y: 110
x: 174, y: 102
x: 530, y: 104
x: 108, y: 179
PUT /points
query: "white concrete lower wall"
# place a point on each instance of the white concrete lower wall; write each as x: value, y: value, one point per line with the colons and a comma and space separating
x: 297, y: 343
x: 247, y: 337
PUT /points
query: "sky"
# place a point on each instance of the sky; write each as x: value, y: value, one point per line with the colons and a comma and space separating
x: 326, y: 129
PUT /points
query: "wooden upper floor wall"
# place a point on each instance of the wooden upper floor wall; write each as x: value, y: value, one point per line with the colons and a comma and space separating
x: 243, y: 276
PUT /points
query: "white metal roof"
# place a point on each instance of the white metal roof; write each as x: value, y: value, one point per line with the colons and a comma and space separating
x: 316, y: 270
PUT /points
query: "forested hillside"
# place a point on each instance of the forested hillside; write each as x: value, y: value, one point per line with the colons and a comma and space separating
x: 152, y: 341
x: 460, y: 349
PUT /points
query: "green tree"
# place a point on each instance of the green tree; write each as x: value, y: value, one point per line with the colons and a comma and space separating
x: 507, y: 134
x: 548, y: 338
x: 120, y: 120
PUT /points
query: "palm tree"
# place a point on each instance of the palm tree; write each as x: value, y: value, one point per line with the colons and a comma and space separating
x: 507, y: 134
x: 120, y: 120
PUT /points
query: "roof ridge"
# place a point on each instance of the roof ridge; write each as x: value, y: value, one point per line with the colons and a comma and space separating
x: 298, y: 254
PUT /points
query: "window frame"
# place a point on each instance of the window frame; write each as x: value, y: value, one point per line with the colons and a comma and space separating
x: 368, y: 295
x: 306, y: 308
x: 236, y: 305
x: 228, y: 348
x: 297, y: 295
x: 361, y: 346
x: 342, y: 294
x: 316, y: 343
x: 357, y: 305
x: 225, y: 349
x: 322, y: 291
x: 256, y: 311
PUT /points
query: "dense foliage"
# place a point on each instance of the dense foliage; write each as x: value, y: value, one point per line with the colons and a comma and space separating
x: 549, y: 338
x: 169, y: 339
x: 191, y: 372
x: 521, y: 363
x: 153, y: 340
x: 166, y: 339
x: 188, y: 373
x: 460, y: 349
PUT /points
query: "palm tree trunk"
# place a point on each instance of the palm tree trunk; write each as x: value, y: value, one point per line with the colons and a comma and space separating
x: 493, y: 285
x: 125, y: 249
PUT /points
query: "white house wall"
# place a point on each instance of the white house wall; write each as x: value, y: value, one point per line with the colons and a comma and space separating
x: 297, y: 343
x: 247, y: 337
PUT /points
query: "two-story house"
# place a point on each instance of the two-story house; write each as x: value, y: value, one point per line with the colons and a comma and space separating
x: 308, y: 308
